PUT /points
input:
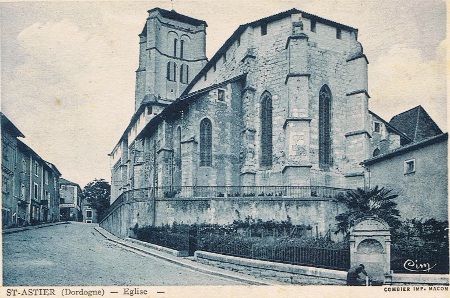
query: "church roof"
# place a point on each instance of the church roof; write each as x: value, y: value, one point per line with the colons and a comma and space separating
x: 173, y: 15
x: 238, y: 32
x: 416, y: 124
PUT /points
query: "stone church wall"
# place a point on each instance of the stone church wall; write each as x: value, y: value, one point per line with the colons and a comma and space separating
x: 319, y: 214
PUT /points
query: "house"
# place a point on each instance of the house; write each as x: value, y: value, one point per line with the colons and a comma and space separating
x: 89, y: 214
x: 30, y: 194
x: 70, y: 200
x: 416, y: 171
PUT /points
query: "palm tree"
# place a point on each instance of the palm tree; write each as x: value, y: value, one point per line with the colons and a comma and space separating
x: 367, y: 202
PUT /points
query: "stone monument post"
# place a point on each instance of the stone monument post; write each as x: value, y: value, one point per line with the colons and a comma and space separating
x: 370, y: 245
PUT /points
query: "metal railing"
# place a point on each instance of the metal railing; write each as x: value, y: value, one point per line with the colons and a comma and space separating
x: 146, y: 194
x: 283, y: 253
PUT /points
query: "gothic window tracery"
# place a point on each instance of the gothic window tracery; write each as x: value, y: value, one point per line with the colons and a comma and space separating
x: 266, y: 130
x: 205, y: 143
x: 325, y: 142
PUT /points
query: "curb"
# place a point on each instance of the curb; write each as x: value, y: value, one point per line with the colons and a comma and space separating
x: 27, y: 228
x: 183, y: 262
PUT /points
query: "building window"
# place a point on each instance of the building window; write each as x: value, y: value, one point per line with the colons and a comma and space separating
x: 313, y: 26
x: 181, y: 49
x: 149, y: 110
x: 24, y: 165
x: 36, y: 191
x: 325, y: 153
x: 205, y: 143
x: 263, y: 29
x: 175, y: 45
x: 22, y: 191
x: 184, y: 74
x: 338, y: 33
x: 221, y: 95
x: 225, y: 57
x: 36, y: 168
x: 46, y: 177
x: 410, y: 166
x: 266, y: 130
x: 376, y: 152
x: 171, y: 71
x: 377, y: 127
x: 89, y: 213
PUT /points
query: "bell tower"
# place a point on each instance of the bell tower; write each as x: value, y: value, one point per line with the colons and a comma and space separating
x: 172, y: 50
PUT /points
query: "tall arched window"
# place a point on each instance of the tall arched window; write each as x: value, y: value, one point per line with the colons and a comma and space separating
x: 266, y: 130
x: 325, y: 142
x: 171, y: 71
x: 205, y: 143
x: 181, y: 49
x: 184, y: 73
x: 175, y: 45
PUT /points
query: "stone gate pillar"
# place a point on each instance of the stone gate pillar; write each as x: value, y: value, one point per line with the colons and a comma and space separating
x: 370, y: 244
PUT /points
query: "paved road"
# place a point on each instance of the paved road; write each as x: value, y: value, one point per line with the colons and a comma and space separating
x: 77, y: 255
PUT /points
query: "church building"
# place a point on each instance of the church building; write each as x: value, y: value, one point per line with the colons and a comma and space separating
x: 281, y: 110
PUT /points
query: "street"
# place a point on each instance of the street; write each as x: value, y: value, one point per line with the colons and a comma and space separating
x: 76, y: 254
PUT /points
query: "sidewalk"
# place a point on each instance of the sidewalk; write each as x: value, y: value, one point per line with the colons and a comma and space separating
x: 20, y: 229
x: 187, y: 262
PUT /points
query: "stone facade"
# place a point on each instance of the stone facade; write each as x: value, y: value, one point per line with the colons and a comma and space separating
x: 289, y: 57
x: 418, y: 173
x: 29, y: 183
x: 283, y: 103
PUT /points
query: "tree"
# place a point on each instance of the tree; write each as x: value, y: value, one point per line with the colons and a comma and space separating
x: 367, y: 202
x: 98, y: 194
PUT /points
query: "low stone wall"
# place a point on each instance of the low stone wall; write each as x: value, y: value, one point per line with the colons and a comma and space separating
x: 176, y: 253
x: 282, y: 272
x: 319, y: 213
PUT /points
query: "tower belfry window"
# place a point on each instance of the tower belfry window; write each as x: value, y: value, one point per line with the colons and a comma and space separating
x: 181, y: 49
x: 175, y: 45
x: 171, y: 71
x: 184, y: 73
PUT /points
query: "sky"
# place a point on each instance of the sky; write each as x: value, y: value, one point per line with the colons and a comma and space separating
x: 68, y: 68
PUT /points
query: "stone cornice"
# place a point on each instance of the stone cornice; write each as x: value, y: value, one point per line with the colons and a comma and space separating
x: 358, y: 132
x: 296, y: 74
x: 358, y: 92
x: 296, y: 119
x: 295, y: 166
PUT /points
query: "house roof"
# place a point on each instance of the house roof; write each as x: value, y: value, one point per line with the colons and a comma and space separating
x: 27, y: 149
x: 407, y: 148
x: 7, y: 124
x: 391, y: 128
x: 238, y: 32
x: 67, y: 182
x: 416, y: 124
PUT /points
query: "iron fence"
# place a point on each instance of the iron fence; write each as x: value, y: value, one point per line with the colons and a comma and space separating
x: 289, y: 253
